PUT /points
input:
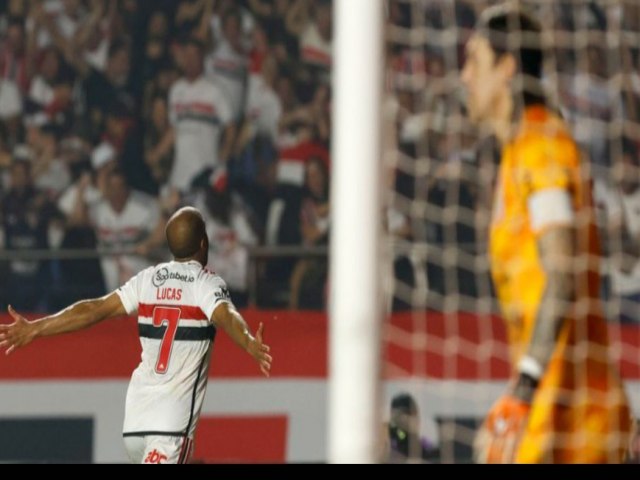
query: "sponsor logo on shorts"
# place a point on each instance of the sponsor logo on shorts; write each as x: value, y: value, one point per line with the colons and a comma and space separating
x: 155, y: 457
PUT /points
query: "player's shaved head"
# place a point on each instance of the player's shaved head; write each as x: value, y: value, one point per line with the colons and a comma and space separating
x: 185, y: 233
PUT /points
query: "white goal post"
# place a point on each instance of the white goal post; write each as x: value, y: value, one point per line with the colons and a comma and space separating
x: 356, y: 193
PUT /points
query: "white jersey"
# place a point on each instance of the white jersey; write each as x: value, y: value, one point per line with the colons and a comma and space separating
x: 175, y: 302
x: 199, y: 112
x: 228, y: 68
x: 624, y: 209
x: 263, y: 109
x: 121, y: 230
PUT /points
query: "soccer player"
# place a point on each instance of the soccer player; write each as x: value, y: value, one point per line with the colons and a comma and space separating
x: 180, y: 305
x: 566, y: 403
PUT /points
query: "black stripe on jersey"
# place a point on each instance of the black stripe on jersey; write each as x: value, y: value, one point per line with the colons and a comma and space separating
x: 182, y: 333
x: 154, y: 434
x: 193, y: 395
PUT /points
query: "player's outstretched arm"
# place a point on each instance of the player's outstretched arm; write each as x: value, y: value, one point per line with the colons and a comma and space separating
x: 76, y: 317
x: 228, y: 318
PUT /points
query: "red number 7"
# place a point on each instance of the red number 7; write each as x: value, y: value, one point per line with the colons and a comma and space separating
x: 170, y: 317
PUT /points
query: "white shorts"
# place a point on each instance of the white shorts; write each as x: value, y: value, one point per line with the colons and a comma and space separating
x: 153, y: 449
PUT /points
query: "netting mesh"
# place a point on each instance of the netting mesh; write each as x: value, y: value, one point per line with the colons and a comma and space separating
x: 445, y: 342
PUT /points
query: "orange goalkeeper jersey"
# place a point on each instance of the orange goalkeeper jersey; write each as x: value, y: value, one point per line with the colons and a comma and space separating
x: 579, y: 412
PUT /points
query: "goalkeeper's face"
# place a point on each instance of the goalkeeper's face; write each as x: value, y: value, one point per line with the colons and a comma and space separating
x: 486, y: 80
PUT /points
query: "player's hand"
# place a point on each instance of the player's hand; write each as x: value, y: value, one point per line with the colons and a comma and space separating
x: 498, y: 439
x: 18, y: 334
x: 260, y: 352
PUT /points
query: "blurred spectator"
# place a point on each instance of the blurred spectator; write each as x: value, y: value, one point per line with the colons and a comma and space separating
x: 88, y: 189
x: 49, y: 72
x: 260, y: 48
x: 103, y: 90
x: 5, y: 152
x: 192, y: 17
x: 10, y: 109
x: 122, y: 220
x: 200, y: 116
x: 311, y: 22
x: 161, y: 84
x: 309, y: 276
x: 401, y: 271
x: 304, y: 133
x: 315, y: 114
x: 122, y: 134
x: 78, y: 279
x: 52, y: 103
x: 252, y: 171
x: 228, y: 64
x: 25, y: 220
x: 131, y: 18
x: 590, y: 105
x: 303, y: 145
x: 158, y: 127
x: 272, y: 16
x: 96, y: 35
x: 220, y: 9
x: 230, y: 234
x: 285, y: 89
x: 69, y: 18
x: 264, y: 108
x: 14, y: 58
x: 50, y: 173
x: 13, y: 9
x: 630, y: 15
x: 156, y: 49
x: 622, y: 204
x: 400, y: 13
x: 405, y: 445
x: 298, y: 144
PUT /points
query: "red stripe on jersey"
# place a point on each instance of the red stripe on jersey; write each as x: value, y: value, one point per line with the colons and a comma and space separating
x: 196, y: 107
x: 315, y: 55
x: 187, y: 312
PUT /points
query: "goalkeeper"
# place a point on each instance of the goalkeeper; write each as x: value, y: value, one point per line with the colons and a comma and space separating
x: 565, y: 403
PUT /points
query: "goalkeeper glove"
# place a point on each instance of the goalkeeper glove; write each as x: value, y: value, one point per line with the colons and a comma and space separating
x: 499, y: 437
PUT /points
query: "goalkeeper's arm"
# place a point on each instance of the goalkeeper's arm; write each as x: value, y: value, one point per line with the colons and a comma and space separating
x: 556, y: 250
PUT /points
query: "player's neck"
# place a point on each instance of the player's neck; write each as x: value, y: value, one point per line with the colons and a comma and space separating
x: 187, y: 260
x: 502, y: 120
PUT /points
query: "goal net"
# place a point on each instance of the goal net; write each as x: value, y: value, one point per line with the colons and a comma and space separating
x: 446, y: 355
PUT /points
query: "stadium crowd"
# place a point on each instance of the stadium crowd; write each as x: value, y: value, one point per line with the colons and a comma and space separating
x: 113, y: 113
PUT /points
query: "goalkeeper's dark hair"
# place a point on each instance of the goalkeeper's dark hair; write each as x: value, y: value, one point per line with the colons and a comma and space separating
x: 513, y: 31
